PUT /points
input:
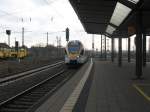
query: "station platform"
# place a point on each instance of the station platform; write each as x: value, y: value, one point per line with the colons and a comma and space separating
x: 106, y: 88
x: 114, y: 90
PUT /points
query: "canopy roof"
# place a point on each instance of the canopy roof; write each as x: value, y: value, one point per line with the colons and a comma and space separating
x: 110, y: 17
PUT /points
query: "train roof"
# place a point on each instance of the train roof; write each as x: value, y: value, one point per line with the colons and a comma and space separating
x: 4, y: 45
x: 74, y: 42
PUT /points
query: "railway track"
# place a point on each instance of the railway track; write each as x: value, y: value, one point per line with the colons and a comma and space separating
x: 30, y: 99
x: 13, y: 78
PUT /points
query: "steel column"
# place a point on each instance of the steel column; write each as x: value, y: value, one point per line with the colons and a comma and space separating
x: 112, y: 49
x: 105, y: 49
x: 22, y: 36
x: 101, y: 46
x: 138, y: 42
x: 144, y: 50
x: 129, y: 51
x: 47, y: 39
x: 120, y: 52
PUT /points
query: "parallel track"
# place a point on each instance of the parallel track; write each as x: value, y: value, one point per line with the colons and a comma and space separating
x: 30, y: 99
x: 30, y: 72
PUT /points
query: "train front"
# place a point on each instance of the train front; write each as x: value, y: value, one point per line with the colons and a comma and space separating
x: 73, y: 52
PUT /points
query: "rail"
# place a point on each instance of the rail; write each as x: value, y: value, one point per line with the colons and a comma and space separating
x: 20, y: 75
x: 30, y: 98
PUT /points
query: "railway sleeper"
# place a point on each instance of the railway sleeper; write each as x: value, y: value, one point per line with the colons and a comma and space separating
x: 18, y: 106
x: 47, y: 87
x: 38, y: 92
x: 28, y: 99
x: 11, y: 110
x: 22, y: 103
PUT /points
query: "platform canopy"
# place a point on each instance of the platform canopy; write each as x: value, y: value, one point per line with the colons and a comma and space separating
x: 110, y: 17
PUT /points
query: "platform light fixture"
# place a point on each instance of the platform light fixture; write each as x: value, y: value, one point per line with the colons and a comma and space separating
x: 120, y: 13
x: 110, y: 29
x: 134, y: 1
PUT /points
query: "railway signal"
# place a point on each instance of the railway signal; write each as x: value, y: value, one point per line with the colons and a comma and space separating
x: 67, y: 34
x: 16, y: 45
x: 8, y: 32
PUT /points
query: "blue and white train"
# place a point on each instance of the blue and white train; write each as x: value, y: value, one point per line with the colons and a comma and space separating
x: 74, y: 53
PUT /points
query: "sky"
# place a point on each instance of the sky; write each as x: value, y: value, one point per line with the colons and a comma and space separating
x: 41, y: 16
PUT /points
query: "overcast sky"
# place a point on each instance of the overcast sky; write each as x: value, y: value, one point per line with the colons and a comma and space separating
x: 39, y: 17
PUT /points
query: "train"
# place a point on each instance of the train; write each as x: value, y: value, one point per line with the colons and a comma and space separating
x: 9, y: 52
x: 75, y: 53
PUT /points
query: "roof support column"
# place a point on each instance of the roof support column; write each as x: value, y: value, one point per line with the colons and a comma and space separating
x: 105, y: 49
x: 101, y: 46
x: 139, y: 44
x: 120, y: 52
x: 144, y: 49
x: 129, y: 51
x: 112, y: 49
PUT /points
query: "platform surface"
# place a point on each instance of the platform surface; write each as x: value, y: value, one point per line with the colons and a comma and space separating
x: 113, y: 89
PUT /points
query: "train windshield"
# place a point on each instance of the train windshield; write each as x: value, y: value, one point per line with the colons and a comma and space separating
x: 73, y: 47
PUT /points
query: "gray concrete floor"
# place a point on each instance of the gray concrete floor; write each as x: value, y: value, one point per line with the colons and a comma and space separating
x: 113, y: 89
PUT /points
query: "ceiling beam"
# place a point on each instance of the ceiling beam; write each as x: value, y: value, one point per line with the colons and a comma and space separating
x: 127, y: 3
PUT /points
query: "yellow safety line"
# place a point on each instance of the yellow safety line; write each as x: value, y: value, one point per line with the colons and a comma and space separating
x: 141, y: 92
x: 143, y: 84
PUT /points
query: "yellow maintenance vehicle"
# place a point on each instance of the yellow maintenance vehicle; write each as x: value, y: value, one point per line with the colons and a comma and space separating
x: 13, y: 53
x: 4, y: 51
x: 8, y: 52
x: 22, y: 53
x: 19, y: 53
